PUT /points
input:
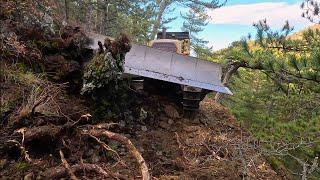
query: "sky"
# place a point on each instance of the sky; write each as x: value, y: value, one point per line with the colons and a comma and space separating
x: 234, y: 20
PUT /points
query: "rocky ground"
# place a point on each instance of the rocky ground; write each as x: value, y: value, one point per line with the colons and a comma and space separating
x: 49, y: 130
x: 44, y: 128
x: 211, y: 146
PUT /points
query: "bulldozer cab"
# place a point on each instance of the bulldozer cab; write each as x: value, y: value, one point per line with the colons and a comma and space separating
x: 178, y: 42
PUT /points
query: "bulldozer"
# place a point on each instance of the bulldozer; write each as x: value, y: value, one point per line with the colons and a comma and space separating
x: 189, y: 96
x: 165, y: 64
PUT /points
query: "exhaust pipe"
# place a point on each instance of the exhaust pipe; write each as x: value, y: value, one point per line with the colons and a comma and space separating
x: 164, y: 33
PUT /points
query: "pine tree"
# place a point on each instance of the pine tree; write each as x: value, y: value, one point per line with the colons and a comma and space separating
x: 163, y: 5
x: 194, y: 22
x: 289, y: 61
x: 311, y: 10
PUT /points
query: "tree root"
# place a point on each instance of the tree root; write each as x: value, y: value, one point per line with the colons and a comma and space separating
x: 131, y: 148
x: 67, y: 166
x: 60, y: 172
x: 48, y: 132
x: 24, y: 152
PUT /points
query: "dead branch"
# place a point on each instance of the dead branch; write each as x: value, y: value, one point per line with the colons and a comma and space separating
x: 24, y: 152
x: 105, y: 146
x: 38, y: 103
x: 67, y: 166
x: 60, y: 172
x: 131, y: 148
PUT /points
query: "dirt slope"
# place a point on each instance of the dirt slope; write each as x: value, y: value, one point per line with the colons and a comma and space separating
x: 212, y: 146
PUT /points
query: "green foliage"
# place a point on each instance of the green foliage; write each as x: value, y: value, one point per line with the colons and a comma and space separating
x: 103, y: 79
x: 102, y: 70
x: 194, y: 22
x: 277, y: 119
x: 277, y: 94
x: 311, y: 10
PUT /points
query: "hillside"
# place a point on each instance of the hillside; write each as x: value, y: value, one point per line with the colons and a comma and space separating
x: 53, y: 128
x: 298, y: 35
x: 68, y: 111
x: 210, y: 146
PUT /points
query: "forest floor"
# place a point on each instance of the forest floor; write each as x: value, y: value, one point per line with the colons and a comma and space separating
x: 210, y: 146
x: 42, y: 120
x: 49, y: 131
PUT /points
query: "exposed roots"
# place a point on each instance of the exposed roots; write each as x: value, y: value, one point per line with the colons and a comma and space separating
x: 60, y: 172
x: 24, y: 152
x: 129, y: 145
x: 67, y: 166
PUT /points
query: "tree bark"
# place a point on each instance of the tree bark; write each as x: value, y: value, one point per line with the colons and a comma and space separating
x: 156, y: 25
x: 66, y: 10
x: 99, y: 17
x: 89, y: 15
x: 227, y: 76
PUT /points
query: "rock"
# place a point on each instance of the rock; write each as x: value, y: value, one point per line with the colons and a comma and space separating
x: 29, y: 176
x: 191, y: 128
x: 159, y: 153
x: 122, y: 123
x: 143, y: 114
x: 164, y: 125
x: 141, y: 149
x: 170, y: 121
x: 3, y: 163
x: 171, y: 111
x: 122, y: 151
x: 90, y: 152
x: 95, y: 158
x: 144, y: 128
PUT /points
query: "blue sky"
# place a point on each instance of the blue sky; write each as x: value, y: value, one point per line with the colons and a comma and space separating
x: 234, y: 20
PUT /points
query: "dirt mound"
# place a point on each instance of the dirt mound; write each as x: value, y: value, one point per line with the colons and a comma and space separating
x: 212, y: 146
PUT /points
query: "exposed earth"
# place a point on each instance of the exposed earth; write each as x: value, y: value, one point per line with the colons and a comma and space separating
x: 210, y: 146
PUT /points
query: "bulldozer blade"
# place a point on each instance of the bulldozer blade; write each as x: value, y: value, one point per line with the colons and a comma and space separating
x: 172, y: 67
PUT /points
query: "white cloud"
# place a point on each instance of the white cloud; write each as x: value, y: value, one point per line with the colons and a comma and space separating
x: 276, y: 14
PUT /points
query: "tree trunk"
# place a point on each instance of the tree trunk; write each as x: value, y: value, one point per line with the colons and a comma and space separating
x: 156, y: 25
x: 227, y: 76
x: 66, y: 10
x: 89, y: 16
x: 99, y: 17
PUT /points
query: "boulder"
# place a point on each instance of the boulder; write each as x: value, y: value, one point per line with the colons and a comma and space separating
x: 171, y: 111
